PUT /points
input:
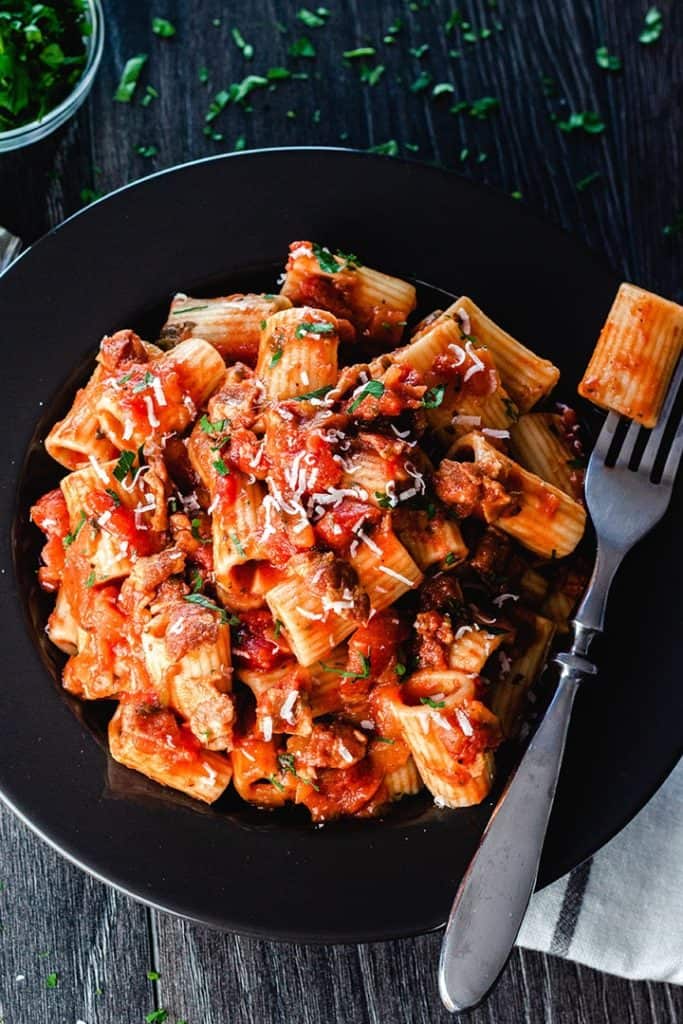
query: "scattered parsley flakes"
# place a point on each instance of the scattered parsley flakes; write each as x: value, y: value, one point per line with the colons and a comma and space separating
x: 197, y: 581
x: 276, y: 782
x: 511, y: 410
x: 371, y: 76
x: 433, y: 397
x: 400, y: 669
x: 240, y: 144
x: 241, y: 44
x: 238, y: 544
x: 329, y: 264
x: 146, y: 151
x: 675, y: 227
x: 583, y: 183
x: 150, y: 95
x: 393, y: 31
x: 345, y: 674
x: 203, y: 75
x: 89, y: 195
x: 432, y: 703
x: 588, y: 120
x: 652, y: 28
x: 450, y: 558
x: 153, y: 975
x: 286, y: 762
x: 316, y: 327
x: 188, y: 309
x: 124, y: 466
x: 278, y: 628
x: 90, y: 582
x: 373, y: 387
x: 205, y: 602
x: 389, y: 148
x: 383, y: 500
x: 302, y: 47
x: 360, y: 51
x: 442, y: 88
x: 71, y: 537
x: 276, y: 357
x: 278, y: 74
x: 422, y: 82
x: 516, y: 194
x: 52, y: 980
x: 485, y: 105
x: 419, y: 51
x: 163, y: 27
x: 605, y: 59
x: 214, y: 429
x: 220, y: 467
x: 313, y: 19
x: 453, y: 21
x: 129, y: 78
x: 318, y: 393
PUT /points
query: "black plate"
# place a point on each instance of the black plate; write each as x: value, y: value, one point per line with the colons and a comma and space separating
x: 199, y: 227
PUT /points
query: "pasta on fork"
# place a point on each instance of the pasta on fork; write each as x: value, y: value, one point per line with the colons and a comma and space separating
x: 311, y: 546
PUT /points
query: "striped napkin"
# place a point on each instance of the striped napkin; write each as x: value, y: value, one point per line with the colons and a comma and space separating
x: 622, y: 910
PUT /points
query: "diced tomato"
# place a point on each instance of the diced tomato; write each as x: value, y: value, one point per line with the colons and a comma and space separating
x: 342, y: 790
x: 121, y: 522
x: 335, y: 528
x: 51, y: 515
x: 227, y: 489
x: 256, y: 645
x: 243, y: 453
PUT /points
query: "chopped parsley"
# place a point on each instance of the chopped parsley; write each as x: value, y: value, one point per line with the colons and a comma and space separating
x: 329, y: 262
x: 393, y: 31
x: 384, y: 739
x: 278, y: 628
x: 143, y: 384
x: 511, y: 410
x: 450, y: 558
x: 220, y: 467
x: 153, y: 975
x: 276, y: 357
x: 203, y: 75
x: 197, y: 581
x: 317, y: 327
x: 157, y: 1017
x: 433, y: 397
x: 113, y: 495
x: 388, y: 148
x: 384, y: 500
x: 91, y: 580
x: 146, y: 151
x: 240, y: 144
x: 373, y: 387
x: 286, y: 762
x: 441, y: 88
x: 215, y: 428
x: 588, y: 120
x: 276, y: 782
x: 365, y: 674
x: 241, y: 44
x: 605, y: 59
x: 485, y: 105
x: 205, y: 602
x: 583, y: 183
x: 313, y: 19
x: 163, y: 27
x: 652, y: 28
x: 124, y: 466
x: 371, y: 76
x: 42, y: 56
x: 71, y: 537
x: 422, y: 82
x: 360, y: 51
x: 432, y: 703
x: 318, y: 393
x: 129, y: 78
x: 187, y: 309
x: 419, y: 51
x: 238, y: 544
x: 195, y: 527
x: 302, y: 47
x: 150, y: 94
x: 52, y: 980
x: 400, y: 669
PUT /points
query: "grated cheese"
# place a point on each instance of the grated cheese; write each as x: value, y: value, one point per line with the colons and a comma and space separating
x: 396, y: 575
x: 464, y: 722
x: 288, y: 707
x: 477, y: 365
x: 158, y: 391
x: 490, y: 432
x: 127, y: 429
x: 98, y: 469
x: 502, y: 598
x: 313, y: 616
x: 151, y: 415
x: 267, y: 728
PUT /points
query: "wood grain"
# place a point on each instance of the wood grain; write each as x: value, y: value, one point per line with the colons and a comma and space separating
x: 94, y: 937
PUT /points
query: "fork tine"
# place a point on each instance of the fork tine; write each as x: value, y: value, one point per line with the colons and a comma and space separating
x: 655, y: 438
x: 673, y: 458
x: 605, y: 437
x: 628, y: 444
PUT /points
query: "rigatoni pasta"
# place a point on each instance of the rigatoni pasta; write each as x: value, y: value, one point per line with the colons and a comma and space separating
x: 313, y: 551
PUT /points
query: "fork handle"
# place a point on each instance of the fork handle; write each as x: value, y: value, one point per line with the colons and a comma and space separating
x: 494, y: 894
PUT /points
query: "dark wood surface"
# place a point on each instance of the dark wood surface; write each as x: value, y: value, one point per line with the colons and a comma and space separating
x: 53, y: 918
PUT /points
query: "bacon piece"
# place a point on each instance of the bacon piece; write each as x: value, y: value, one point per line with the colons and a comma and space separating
x: 118, y: 351
x: 238, y: 398
x: 434, y: 638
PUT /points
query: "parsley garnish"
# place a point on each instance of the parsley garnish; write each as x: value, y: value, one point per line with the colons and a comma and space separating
x: 361, y: 51
x: 576, y: 463
x: 389, y: 148
x: 302, y: 47
x: 449, y: 559
x: 71, y: 537
x: 90, y: 582
x: 52, y: 980
x: 432, y: 703
x: 583, y: 183
x: 220, y: 467
x: 150, y: 94
x: 384, y: 739
x: 433, y: 397
x: 129, y: 78
x: 214, y: 429
x: 400, y: 669
x: 153, y: 976
x: 278, y: 628
x: 146, y: 382
x: 124, y: 466
x: 441, y: 88
x: 163, y: 27
x: 588, y: 120
x: 329, y: 264
x: 318, y: 393
x: 383, y: 500
x: 238, y: 544
x: 371, y: 76
x: 511, y: 410
x: 187, y: 309
x: 157, y: 1017
x: 241, y: 44
x: 286, y: 762
x: 422, y: 82
x: 319, y: 327
x: 276, y: 357
x: 275, y: 74
x: 418, y: 51
x: 393, y: 31
x: 313, y: 19
x: 113, y: 495
x: 365, y: 674
x: 605, y: 59
x: 205, y: 602
x: 195, y: 525
x: 652, y: 29
x: 146, y: 151
x: 373, y: 387
x: 276, y: 782
x: 197, y: 581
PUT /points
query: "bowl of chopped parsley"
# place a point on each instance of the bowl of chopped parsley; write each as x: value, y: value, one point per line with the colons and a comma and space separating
x: 49, y: 55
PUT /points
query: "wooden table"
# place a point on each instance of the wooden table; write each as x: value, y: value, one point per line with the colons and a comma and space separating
x: 539, y: 62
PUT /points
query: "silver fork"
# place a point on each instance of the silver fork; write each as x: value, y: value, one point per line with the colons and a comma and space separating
x: 490, y: 904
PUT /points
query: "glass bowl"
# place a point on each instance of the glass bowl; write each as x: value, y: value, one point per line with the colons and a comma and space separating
x: 35, y: 130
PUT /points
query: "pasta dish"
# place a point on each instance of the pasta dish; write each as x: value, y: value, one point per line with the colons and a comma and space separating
x: 313, y: 548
